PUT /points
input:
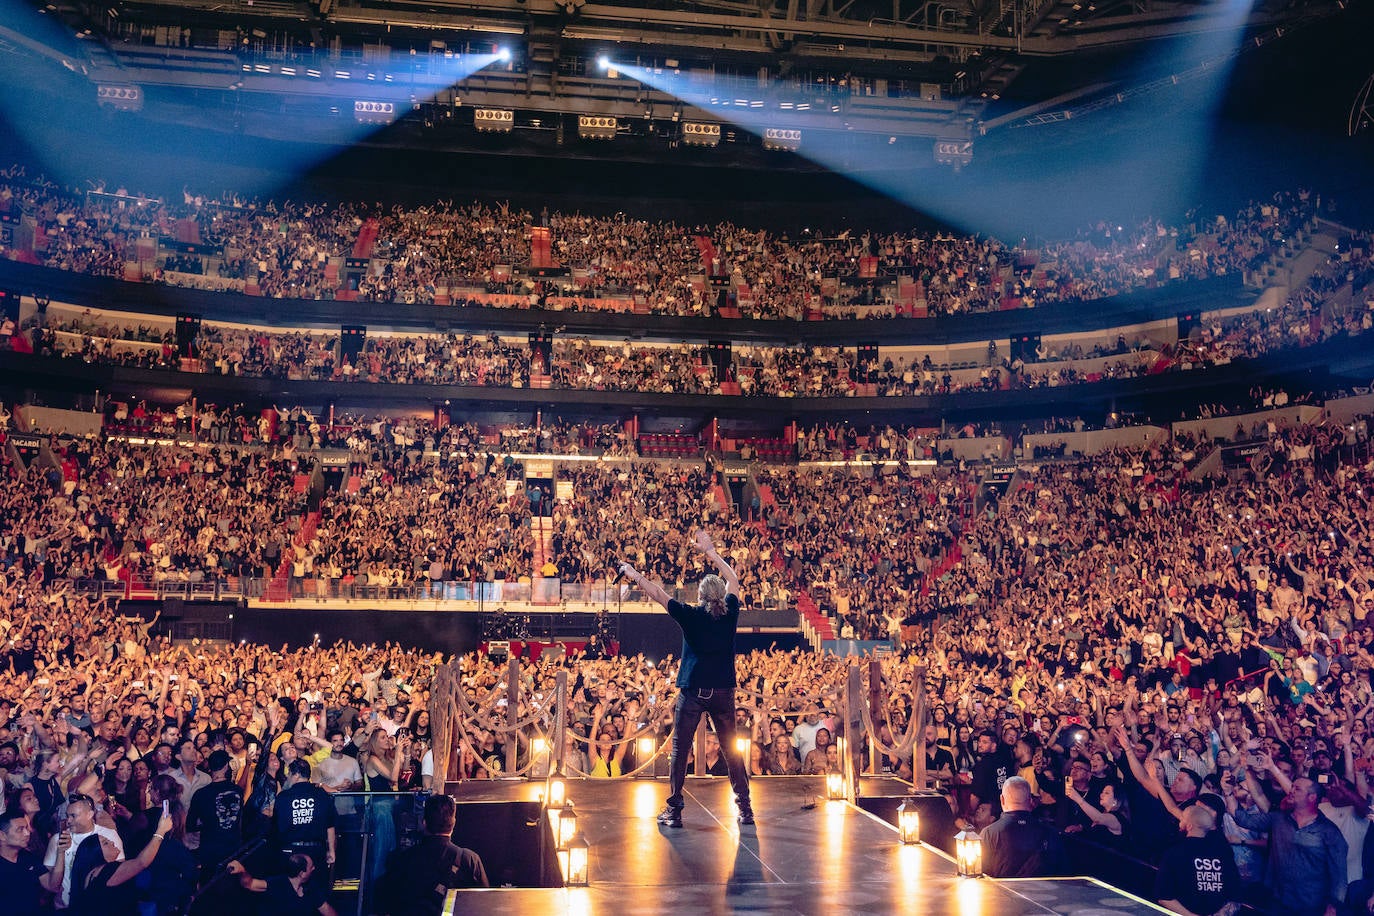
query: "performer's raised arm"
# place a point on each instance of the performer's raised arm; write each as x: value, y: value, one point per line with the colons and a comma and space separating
x: 652, y: 589
x: 727, y: 573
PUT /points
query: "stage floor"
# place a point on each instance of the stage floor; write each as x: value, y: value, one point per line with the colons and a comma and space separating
x: 804, y: 855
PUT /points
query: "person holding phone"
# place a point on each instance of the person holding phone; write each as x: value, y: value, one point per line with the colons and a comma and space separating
x: 79, y: 825
x: 706, y: 676
x: 100, y: 877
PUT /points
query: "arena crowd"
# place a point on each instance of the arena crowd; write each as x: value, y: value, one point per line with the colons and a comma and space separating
x: 465, y: 251
x: 1127, y: 656
x: 757, y: 370
x: 1216, y: 632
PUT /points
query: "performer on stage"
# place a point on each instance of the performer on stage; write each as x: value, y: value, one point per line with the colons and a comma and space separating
x: 706, y: 676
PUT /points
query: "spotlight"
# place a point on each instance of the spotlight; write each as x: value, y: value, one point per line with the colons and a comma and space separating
x: 503, y: 54
x: 603, y: 62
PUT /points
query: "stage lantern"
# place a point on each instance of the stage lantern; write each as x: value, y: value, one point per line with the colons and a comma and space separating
x: 834, y: 786
x: 539, y: 757
x: 743, y: 745
x: 567, y: 827
x: 968, y: 851
x: 557, y: 796
x: 909, y: 821
x: 574, y: 862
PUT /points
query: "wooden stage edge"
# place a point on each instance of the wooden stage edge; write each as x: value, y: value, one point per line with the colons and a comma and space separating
x: 804, y: 855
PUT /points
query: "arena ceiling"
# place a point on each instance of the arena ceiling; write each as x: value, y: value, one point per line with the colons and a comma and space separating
x: 882, y: 78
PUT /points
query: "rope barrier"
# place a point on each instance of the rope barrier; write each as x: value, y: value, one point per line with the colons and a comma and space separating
x: 900, y: 751
x: 496, y: 695
x: 478, y: 713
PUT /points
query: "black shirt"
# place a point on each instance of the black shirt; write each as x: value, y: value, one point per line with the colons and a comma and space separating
x: 937, y: 759
x: 1154, y: 827
x: 708, y: 644
x: 19, y: 884
x: 415, y: 875
x: 1200, y: 873
x: 989, y: 773
x: 303, y: 814
x: 93, y: 895
x: 719, y: 768
x: 281, y: 899
x: 1017, y: 845
x: 216, y: 811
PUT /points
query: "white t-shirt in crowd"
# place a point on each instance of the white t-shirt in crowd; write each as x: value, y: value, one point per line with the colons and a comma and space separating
x: 337, y: 773
x: 64, y: 897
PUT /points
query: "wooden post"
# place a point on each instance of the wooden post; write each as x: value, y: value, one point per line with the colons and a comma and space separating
x: 512, y: 713
x: 918, y: 718
x: 853, y: 732
x: 443, y: 722
x: 558, y: 732
x: 877, y: 706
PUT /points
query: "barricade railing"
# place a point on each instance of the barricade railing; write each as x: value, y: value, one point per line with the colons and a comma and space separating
x: 599, y: 595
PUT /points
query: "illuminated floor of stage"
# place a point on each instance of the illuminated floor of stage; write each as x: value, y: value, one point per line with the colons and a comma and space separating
x: 804, y: 855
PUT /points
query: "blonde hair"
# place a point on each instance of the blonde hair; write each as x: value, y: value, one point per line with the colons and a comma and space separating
x: 712, y: 592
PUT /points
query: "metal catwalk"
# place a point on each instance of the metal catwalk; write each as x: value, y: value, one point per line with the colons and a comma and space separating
x: 804, y: 855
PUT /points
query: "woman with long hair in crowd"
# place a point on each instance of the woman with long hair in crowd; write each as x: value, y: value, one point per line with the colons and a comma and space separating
x: 575, y: 758
x: 173, y: 872
x: 267, y: 782
x: 119, y: 781
x: 607, y: 756
x: 418, y: 723
x: 381, y: 761
x: 470, y: 765
x: 964, y: 759
x: 101, y: 885
x: 815, y: 763
x: 944, y: 735
x: 46, y: 788
x: 139, y: 794
x: 758, y: 759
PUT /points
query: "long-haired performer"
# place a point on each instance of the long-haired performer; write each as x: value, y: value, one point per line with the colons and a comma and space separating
x: 706, y: 677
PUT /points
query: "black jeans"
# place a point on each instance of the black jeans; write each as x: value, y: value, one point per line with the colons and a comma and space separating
x: 719, y: 704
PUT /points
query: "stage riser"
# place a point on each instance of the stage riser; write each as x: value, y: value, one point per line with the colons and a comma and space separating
x: 513, y: 841
x: 937, y: 819
x: 804, y: 856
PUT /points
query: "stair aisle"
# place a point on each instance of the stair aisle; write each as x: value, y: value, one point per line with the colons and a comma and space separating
x: 366, y: 241
x: 541, y: 247
x: 278, y: 588
x: 822, y: 624
x: 541, y: 528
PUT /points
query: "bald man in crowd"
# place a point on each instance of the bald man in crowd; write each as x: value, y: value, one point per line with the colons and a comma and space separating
x: 1198, y: 875
x: 1017, y: 844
